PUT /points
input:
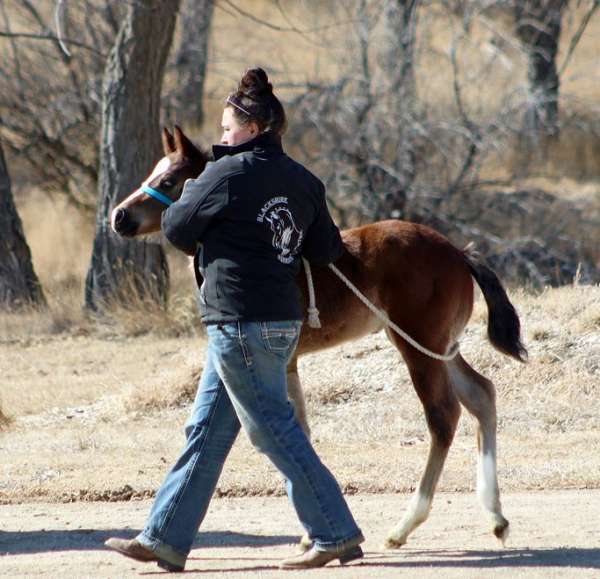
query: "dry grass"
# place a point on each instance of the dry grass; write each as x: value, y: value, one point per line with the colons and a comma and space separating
x: 5, y: 421
x: 61, y: 245
x: 111, y: 409
x: 49, y: 357
x: 558, y: 390
x: 174, y: 392
x: 62, y: 357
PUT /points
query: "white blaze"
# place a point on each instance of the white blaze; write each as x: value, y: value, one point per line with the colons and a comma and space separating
x: 161, y: 167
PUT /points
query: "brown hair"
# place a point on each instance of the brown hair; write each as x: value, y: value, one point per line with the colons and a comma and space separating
x: 254, y: 101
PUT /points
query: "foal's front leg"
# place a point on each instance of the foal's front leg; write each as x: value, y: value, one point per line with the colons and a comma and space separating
x: 296, y: 395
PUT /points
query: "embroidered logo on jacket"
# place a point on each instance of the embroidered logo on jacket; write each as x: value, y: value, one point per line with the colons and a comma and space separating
x: 287, y: 238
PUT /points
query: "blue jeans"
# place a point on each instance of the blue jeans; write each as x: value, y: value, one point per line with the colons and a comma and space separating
x: 245, y: 382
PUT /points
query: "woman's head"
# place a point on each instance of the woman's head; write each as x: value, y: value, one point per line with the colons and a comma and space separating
x: 252, y: 109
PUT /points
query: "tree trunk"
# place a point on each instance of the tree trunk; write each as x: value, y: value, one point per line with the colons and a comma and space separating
x: 399, y: 102
x: 397, y: 56
x: 538, y: 25
x: 122, y: 270
x: 192, y: 57
x: 19, y: 286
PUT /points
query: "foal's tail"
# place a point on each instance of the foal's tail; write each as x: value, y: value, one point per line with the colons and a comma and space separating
x: 504, y: 327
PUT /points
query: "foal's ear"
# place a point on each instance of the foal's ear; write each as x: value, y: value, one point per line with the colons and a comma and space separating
x: 183, y: 144
x: 167, y: 141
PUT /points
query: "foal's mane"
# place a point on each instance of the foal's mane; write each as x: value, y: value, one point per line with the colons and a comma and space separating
x: 201, y: 155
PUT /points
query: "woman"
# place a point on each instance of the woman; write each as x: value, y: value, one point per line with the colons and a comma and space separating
x: 249, y: 218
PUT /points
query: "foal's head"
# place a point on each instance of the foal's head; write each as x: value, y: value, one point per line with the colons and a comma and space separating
x: 140, y: 212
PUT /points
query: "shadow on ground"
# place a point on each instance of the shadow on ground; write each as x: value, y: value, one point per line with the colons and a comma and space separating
x: 559, y: 557
x: 515, y: 558
x: 43, y: 541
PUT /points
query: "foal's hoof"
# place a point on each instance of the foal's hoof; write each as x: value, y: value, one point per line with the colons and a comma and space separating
x: 305, y: 543
x: 393, y: 542
x: 501, y: 530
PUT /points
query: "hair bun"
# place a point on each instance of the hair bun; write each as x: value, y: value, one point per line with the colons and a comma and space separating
x: 255, y: 84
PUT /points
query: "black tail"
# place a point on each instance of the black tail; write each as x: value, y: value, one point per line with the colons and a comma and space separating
x: 504, y: 327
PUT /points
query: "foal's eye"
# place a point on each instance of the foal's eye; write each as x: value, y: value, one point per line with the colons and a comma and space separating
x: 167, y: 183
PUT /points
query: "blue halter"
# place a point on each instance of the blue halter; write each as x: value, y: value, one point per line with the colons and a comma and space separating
x: 157, y: 195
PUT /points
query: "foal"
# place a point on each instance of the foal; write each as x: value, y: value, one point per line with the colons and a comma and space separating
x: 422, y: 282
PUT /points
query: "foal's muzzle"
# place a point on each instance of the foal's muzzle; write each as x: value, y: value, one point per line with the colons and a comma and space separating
x: 123, y: 224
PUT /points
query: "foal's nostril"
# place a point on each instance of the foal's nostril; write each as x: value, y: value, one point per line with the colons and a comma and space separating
x: 120, y: 216
x: 123, y: 223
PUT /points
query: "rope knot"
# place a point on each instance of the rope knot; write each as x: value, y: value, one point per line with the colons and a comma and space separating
x: 313, y: 318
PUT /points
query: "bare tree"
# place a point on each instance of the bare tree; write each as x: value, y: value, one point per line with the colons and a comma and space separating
x: 19, y: 286
x: 364, y: 122
x: 122, y: 269
x: 184, y: 101
x: 399, y: 98
x: 538, y: 27
x: 53, y: 130
x: 385, y: 151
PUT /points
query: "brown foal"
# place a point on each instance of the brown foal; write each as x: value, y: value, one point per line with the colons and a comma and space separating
x: 423, y: 283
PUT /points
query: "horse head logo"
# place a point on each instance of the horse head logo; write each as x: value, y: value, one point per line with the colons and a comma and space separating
x: 286, y: 236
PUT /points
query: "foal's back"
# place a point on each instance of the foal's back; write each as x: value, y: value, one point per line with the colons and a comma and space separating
x: 410, y: 271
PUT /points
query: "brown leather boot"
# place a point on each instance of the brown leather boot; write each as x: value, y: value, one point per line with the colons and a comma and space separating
x: 135, y: 550
x: 313, y: 558
x: 131, y: 548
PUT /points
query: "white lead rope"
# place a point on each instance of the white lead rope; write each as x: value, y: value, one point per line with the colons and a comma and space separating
x: 313, y: 314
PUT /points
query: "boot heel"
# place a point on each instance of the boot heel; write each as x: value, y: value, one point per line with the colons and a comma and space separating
x: 169, y: 566
x: 351, y: 554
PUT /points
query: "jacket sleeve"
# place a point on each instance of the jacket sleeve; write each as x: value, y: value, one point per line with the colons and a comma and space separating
x: 185, y: 222
x: 323, y: 243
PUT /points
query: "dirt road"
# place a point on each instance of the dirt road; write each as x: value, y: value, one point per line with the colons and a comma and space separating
x: 554, y: 534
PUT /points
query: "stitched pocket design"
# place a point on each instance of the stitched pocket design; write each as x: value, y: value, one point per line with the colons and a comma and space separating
x: 279, y: 340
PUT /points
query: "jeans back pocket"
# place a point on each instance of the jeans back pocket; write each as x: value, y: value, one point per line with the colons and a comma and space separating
x: 280, y: 337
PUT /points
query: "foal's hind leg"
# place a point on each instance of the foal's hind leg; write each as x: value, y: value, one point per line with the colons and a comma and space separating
x: 478, y: 396
x: 442, y: 412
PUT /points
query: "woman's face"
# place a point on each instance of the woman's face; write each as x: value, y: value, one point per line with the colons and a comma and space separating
x: 233, y: 132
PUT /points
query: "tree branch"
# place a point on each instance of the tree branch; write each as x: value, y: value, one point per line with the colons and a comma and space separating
x: 51, y: 37
x: 577, y: 36
x: 291, y: 28
x: 58, y: 15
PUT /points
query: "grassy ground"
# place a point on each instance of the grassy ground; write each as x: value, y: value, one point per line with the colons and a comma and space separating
x: 98, y: 414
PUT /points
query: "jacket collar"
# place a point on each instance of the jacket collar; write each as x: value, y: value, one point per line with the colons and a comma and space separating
x: 266, y: 144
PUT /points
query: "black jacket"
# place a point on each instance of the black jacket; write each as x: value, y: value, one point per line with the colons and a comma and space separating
x: 249, y: 217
